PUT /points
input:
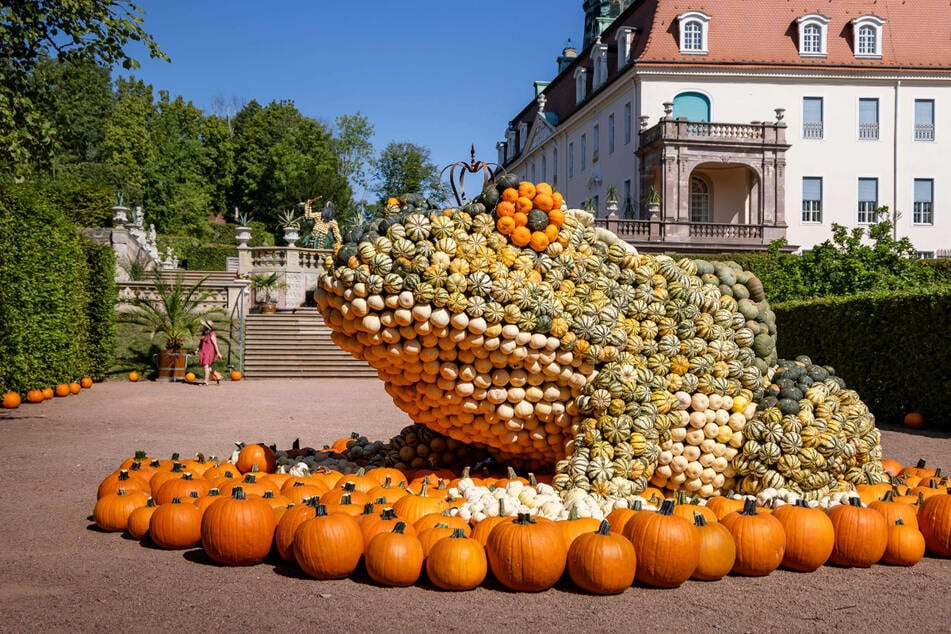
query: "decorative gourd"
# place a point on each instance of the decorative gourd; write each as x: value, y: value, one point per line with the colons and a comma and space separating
x: 238, y: 530
x: 717, y: 550
x: 602, y: 562
x: 810, y: 536
x: 861, y: 535
x: 526, y: 554
x: 328, y: 546
x: 457, y: 562
x: 760, y: 540
x: 138, y: 523
x: 394, y: 558
x: 667, y: 546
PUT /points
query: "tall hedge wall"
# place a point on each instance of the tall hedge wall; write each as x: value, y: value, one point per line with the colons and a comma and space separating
x: 893, y: 349
x: 54, y: 295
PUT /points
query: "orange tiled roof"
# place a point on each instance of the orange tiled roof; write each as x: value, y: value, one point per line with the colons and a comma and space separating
x: 916, y: 34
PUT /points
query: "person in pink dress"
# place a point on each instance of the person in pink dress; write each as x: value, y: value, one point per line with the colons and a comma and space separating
x: 208, y: 351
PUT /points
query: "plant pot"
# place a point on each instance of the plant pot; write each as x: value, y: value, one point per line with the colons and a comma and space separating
x: 291, y: 235
x: 171, y: 364
x: 242, y: 235
x: 269, y: 307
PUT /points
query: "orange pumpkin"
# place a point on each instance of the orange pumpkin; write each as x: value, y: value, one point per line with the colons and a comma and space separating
x: 934, y: 522
x: 34, y: 396
x: 11, y: 400
x: 85, y: 382
x: 538, y: 241
x: 189, y: 377
x: 238, y: 531
x: 139, y: 518
x: 809, y: 536
x: 62, y: 389
x: 521, y: 236
x: 717, y: 549
x: 174, y: 525
x: 328, y: 546
x: 505, y: 225
x: 133, y: 376
x: 602, y: 562
x: 760, y: 540
x: 394, y: 558
x: 236, y: 375
x: 526, y: 189
x: 521, y: 219
x: 509, y: 194
x: 914, y: 420
x: 457, y: 562
x: 905, y: 546
x: 253, y: 456
x: 112, y: 511
x: 47, y: 392
x: 543, y: 202
x: 551, y: 232
x: 861, y: 535
x: 527, y: 554
x: 74, y: 387
x: 667, y: 546
x: 523, y: 205
x: 505, y: 208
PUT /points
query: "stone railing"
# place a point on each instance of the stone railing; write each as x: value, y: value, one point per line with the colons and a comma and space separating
x: 218, y: 294
x: 725, y: 231
x: 299, y: 269
x: 682, y: 130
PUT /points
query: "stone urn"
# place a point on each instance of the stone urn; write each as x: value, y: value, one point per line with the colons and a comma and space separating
x: 242, y: 234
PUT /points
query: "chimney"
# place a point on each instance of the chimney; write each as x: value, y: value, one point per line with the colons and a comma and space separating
x: 568, y: 55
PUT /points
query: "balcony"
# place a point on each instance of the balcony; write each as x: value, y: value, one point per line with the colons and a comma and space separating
x: 734, y: 173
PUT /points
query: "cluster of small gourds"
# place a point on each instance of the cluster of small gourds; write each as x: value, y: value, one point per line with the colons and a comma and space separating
x: 621, y: 369
x: 327, y: 523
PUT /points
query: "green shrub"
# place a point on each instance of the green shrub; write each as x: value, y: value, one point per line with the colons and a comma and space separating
x: 100, y: 309
x: 44, y: 336
x: 892, y: 348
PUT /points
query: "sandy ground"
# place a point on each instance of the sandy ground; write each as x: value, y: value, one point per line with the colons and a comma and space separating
x: 60, y: 573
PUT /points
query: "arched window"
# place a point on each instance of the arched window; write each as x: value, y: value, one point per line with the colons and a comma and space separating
x: 811, y: 39
x: 699, y: 200
x: 867, y: 34
x: 812, y: 34
x: 867, y: 41
x: 693, y: 106
x: 693, y: 36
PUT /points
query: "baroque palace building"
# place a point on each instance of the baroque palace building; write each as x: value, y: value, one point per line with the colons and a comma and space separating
x: 744, y: 122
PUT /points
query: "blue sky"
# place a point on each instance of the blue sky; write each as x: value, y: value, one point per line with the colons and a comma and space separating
x: 433, y: 72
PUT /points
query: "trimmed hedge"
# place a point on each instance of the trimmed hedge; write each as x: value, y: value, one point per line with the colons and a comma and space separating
x: 44, y: 301
x: 892, y: 348
x: 101, y: 308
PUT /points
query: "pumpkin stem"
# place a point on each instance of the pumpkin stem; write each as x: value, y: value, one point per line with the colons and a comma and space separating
x: 681, y: 497
x: 457, y: 533
x: 523, y: 518
x: 178, y: 467
x: 380, y: 500
x: 801, y: 502
x: 855, y: 501
x: 638, y: 505
x: 368, y: 508
x: 899, y: 522
x: 749, y: 507
x: 239, y: 445
x: 250, y: 479
x: 212, y: 492
x: 510, y: 471
x: 320, y: 510
x: 387, y: 481
x: 187, y: 475
x: 176, y: 456
x: 121, y: 491
x: 176, y: 500
x: 604, y: 528
x: 135, y: 466
x: 699, y: 519
x: 345, y: 499
x: 193, y: 494
x: 441, y: 525
x: 889, y: 496
x: 532, y: 481
x: 150, y: 502
x: 123, y: 475
x: 921, y: 463
x: 237, y: 493
x: 465, y: 472
x: 269, y: 495
x: 400, y: 527
x: 666, y: 507
x: 140, y: 455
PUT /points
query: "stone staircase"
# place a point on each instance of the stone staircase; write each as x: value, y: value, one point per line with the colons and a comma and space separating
x: 295, y: 345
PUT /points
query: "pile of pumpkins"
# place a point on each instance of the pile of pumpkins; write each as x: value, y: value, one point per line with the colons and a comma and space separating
x: 327, y: 524
x: 12, y: 400
x: 515, y: 324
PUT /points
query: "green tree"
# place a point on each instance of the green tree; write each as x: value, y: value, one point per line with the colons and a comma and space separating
x: 127, y: 147
x: 351, y: 142
x: 281, y: 159
x: 406, y: 168
x: 31, y: 30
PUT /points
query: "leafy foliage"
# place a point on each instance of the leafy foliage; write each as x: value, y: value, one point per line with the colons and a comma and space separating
x: 50, y: 291
x: 74, y: 32
x: 406, y: 168
x: 101, y: 307
x: 176, y: 312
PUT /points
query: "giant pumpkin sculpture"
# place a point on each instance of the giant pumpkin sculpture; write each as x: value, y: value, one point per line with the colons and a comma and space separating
x: 519, y: 328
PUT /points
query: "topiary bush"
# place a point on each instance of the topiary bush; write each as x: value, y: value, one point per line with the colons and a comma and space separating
x: 889, y: 347
x: 44, y: 272
x: 100, y: 308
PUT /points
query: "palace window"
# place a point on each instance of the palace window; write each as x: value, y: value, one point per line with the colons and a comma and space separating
x: 812, y: 117
x: 699, y: 200
x: 867, y: 36
x: 924, y: 119
x: 627, y: 123
x: 868, y: 119
x: 867, y: 201
x: 811, y: 199
x: 581, y: 84
x: 611, y: 133
x: 694, y: 26
x: 924, y: 201
x: 813, y: 29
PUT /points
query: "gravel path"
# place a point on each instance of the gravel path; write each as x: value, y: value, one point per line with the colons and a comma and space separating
x: 62, y: 574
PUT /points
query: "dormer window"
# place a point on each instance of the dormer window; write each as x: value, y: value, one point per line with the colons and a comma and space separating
x: 522, y: 135
x: 867, y: 35
x: 693, y: 32
x: 625, y: 39
x: 599, y: 60
x: 581, y: 84
x: 813, y: 29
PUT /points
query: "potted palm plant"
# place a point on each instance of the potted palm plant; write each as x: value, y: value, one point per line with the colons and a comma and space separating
x: 242, y: 232
x: 173, y: 314
x: 266, y: 286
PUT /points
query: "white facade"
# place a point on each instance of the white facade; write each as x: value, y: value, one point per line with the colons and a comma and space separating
x: 896, y: 153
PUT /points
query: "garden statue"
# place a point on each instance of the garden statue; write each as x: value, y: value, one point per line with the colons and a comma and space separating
x: 325, y: 233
